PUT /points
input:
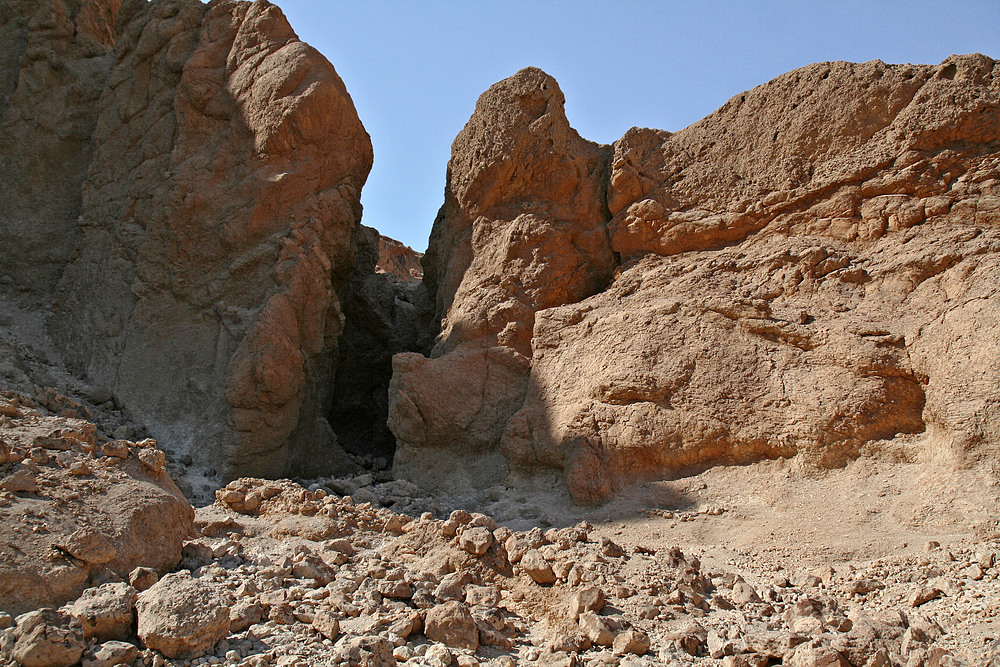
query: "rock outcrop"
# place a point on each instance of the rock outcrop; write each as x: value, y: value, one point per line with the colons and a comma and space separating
x: 77, y: 509
x: 400, y: 262
x: 811, y: 270
x: 184, y: 189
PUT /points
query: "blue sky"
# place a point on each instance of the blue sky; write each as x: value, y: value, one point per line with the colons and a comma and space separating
x: 415, y: 68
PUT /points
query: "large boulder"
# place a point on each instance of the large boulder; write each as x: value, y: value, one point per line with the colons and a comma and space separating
x: 47, y: 638
x: 205, y: 169
x: 87, y: 516
x: 181, y: 616
x: 811, y: 270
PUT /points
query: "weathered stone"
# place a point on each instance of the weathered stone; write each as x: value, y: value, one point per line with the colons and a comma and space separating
x: 808, y: 656
x: 245, y: 613
x: 21, y: 480
x: 107, y: 612
x: 326, y: 624
x: 110, y: 654
x: 924, y: 595
x: 631, y: 641
x: 476, y: 541
x: 182, y: 617
x: 597, y: 628
x: 534, y: 563
x: 452, y: 587
x: 47, y: 638
x: 142, y: 578
x: 452, y: 624
x: 128, y: 518
x: 590, y: 598
x: 90, y: 546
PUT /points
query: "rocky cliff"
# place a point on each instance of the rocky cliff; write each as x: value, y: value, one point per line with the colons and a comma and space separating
x: 400, y: 262
x: 183, y: 195
x: 810, y: 271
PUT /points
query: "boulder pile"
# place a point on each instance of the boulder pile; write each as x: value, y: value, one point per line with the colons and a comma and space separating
x: 281, y: 575
x: 77, y: 509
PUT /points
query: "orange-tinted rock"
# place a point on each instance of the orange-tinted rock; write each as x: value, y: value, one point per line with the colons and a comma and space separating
x: 811, y: 270
x: 523, y: 223
x: 400, y: 262
x: 205, y: 168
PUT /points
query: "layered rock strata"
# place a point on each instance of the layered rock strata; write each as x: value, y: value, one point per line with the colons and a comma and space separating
x: 811, y: 270
x: 209, y: 168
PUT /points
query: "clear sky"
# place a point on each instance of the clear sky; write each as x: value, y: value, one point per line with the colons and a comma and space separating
x: 416, y: 67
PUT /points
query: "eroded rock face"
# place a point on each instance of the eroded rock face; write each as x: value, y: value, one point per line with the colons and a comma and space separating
x: 400, y: 262
x: 809, y: 270
x: 523, y: 228
x: 54, y: 62
x: 207, y: 167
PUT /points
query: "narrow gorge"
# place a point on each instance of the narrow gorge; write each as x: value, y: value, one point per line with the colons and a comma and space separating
x: 239, y: 426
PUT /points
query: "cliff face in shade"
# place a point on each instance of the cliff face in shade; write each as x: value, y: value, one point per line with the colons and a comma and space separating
x: 54, y: 62
x: 210, y: 197
x: 811, y: 270
x: 383, y: 307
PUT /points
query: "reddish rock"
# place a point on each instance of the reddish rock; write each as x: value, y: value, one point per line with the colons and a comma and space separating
x: 399, y: 262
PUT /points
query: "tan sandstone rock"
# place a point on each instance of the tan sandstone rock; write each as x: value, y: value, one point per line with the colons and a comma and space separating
x: 181, y: 616
x: 71, y: 528
x: 452, y: 624
x: 182, y: 181
x: 47, y: 638
x: 106, y: 612
x: 810, y: 271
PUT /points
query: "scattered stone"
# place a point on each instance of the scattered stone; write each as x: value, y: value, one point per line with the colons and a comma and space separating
x: 924, y: 595
x: 535, y: 565
x: 326, y: 624
x: 22, y: 480
x: 111, y: 653
x: 476, y: 540
x: 90, y: 546
x: 116, y: 448
x: 106, y: 612
x: 142, y: 578
x: 597, y: 628
x: 631, y: 641
x: 590, y: 598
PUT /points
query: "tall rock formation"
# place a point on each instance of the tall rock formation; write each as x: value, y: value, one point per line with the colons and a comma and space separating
x: 811, y: 270
x: 208, y: 166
